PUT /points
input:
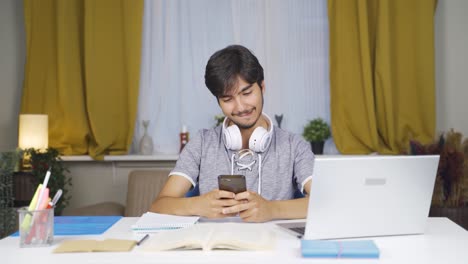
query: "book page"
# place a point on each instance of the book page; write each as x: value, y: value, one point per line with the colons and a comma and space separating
x: 207, y: 236
x: 187, y: 238
x: 242, y: 236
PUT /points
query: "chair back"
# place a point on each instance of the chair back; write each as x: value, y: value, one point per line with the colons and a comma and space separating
x: 143, y: 187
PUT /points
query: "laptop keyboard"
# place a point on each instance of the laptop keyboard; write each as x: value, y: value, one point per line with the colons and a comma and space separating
x: 300, y: 230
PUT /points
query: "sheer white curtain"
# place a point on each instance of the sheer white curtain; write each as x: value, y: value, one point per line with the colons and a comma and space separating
x: 290, y: 39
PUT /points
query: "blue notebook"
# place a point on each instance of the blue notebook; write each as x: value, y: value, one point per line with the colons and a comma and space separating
x: 81, y: 225
x: 339, y: 249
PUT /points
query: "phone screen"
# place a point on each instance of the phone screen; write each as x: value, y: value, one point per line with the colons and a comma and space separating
x: 232, y: 183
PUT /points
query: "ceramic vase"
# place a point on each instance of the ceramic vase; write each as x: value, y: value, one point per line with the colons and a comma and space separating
x: 146, y: 143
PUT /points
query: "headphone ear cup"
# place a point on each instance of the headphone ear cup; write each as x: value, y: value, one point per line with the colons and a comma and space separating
x: 232, y: 137
x: 259, y: 140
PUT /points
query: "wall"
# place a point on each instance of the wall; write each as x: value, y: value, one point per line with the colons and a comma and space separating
x: 451, y: 42
x: 12, y: 57
x: 97, y: 182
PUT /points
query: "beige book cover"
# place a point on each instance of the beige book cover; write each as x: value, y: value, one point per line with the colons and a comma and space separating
x: 108, y: 245
x: 207, y: 236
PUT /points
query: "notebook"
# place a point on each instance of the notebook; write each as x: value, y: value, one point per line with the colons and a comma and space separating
x: 339, y: 249
x: 153, y: 222
x: 363, y: 196
x: 81, y: 225
x: 91, y: 245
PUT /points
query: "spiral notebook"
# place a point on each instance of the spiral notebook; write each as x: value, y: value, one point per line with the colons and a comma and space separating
x: 153, y: 222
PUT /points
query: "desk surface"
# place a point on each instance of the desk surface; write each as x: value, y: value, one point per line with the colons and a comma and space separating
x: 443, y: 242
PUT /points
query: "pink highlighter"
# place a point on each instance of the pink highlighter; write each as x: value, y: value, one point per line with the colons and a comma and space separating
x: 39, y: 222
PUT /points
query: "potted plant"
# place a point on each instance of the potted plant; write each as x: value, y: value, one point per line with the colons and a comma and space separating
x: 450, y: 197
x: 8, y: 161
x: 40, y: 163
x: 316, y: 132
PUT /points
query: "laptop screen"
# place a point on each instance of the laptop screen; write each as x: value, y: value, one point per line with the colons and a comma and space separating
x: 361, y: 196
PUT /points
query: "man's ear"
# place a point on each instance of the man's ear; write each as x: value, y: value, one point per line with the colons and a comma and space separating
x: 263, y: 87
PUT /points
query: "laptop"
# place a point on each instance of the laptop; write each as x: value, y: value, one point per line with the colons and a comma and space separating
x: 364, y: 196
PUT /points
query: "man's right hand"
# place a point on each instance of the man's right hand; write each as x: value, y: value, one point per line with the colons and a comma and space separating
x: 171, y: 200
x: 211, y: 204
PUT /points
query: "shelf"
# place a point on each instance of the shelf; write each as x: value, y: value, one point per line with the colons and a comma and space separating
x: 156, y: 157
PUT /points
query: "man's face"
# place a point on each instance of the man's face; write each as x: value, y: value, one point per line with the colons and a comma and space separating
x: 243, y: 105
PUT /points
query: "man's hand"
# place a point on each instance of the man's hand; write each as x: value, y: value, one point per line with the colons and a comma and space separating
x: 211, y: 204
x: 251, y: 208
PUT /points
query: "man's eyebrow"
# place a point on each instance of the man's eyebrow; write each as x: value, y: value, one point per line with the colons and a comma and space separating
x: 245, y: 88
x: 241, y: 91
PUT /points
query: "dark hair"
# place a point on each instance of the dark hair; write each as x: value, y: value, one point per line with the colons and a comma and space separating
x: 226, y: 65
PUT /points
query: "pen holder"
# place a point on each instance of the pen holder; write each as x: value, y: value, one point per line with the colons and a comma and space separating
x: 36, y: 228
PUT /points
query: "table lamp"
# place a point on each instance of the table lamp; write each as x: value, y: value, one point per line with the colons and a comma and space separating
x: 33, y: 133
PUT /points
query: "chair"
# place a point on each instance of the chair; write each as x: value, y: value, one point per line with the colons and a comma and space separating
x: 143, y: 187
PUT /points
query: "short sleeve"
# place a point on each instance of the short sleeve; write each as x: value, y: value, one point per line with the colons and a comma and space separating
x: 303, y: 163
x: 188, y: 163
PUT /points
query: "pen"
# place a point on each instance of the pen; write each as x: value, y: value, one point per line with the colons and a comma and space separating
x: 143, y: 239
x: 56, y: 198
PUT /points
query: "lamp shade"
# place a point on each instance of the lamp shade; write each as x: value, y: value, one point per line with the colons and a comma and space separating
x: 33, y: 131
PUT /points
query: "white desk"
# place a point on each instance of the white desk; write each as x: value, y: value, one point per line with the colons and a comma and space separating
x: 443, y: 242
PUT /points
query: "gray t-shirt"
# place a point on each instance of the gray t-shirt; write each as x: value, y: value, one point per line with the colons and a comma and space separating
x: 287, y: 163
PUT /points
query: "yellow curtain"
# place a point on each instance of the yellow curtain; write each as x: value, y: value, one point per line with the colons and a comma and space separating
x: 82, y: 69
x: 381, y: 74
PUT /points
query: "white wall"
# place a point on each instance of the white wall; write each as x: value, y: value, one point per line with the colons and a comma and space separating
x: 12, y: 56
x: 96, y: 182
x: 451, y: 44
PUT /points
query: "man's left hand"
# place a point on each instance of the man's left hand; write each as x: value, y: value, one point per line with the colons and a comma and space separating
x: 254, y: 208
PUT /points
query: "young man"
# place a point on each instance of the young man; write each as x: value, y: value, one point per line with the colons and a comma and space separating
x: 275, y: 162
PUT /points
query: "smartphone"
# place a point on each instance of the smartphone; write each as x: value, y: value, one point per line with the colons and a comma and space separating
x: 232, y: 183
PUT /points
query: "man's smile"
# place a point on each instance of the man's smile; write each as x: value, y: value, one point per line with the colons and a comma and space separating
x: 245, y: 113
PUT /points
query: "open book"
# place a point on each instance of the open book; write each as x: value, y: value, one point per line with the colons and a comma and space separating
x: 239, y: 236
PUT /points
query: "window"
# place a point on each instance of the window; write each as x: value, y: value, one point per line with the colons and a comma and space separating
x: 290, y: 39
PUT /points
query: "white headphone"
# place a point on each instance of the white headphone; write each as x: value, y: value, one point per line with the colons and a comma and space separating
x: 258, y: 141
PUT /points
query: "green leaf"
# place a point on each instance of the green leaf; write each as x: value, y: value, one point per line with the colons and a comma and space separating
x: 316, y: 130
x: 40, y: 163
